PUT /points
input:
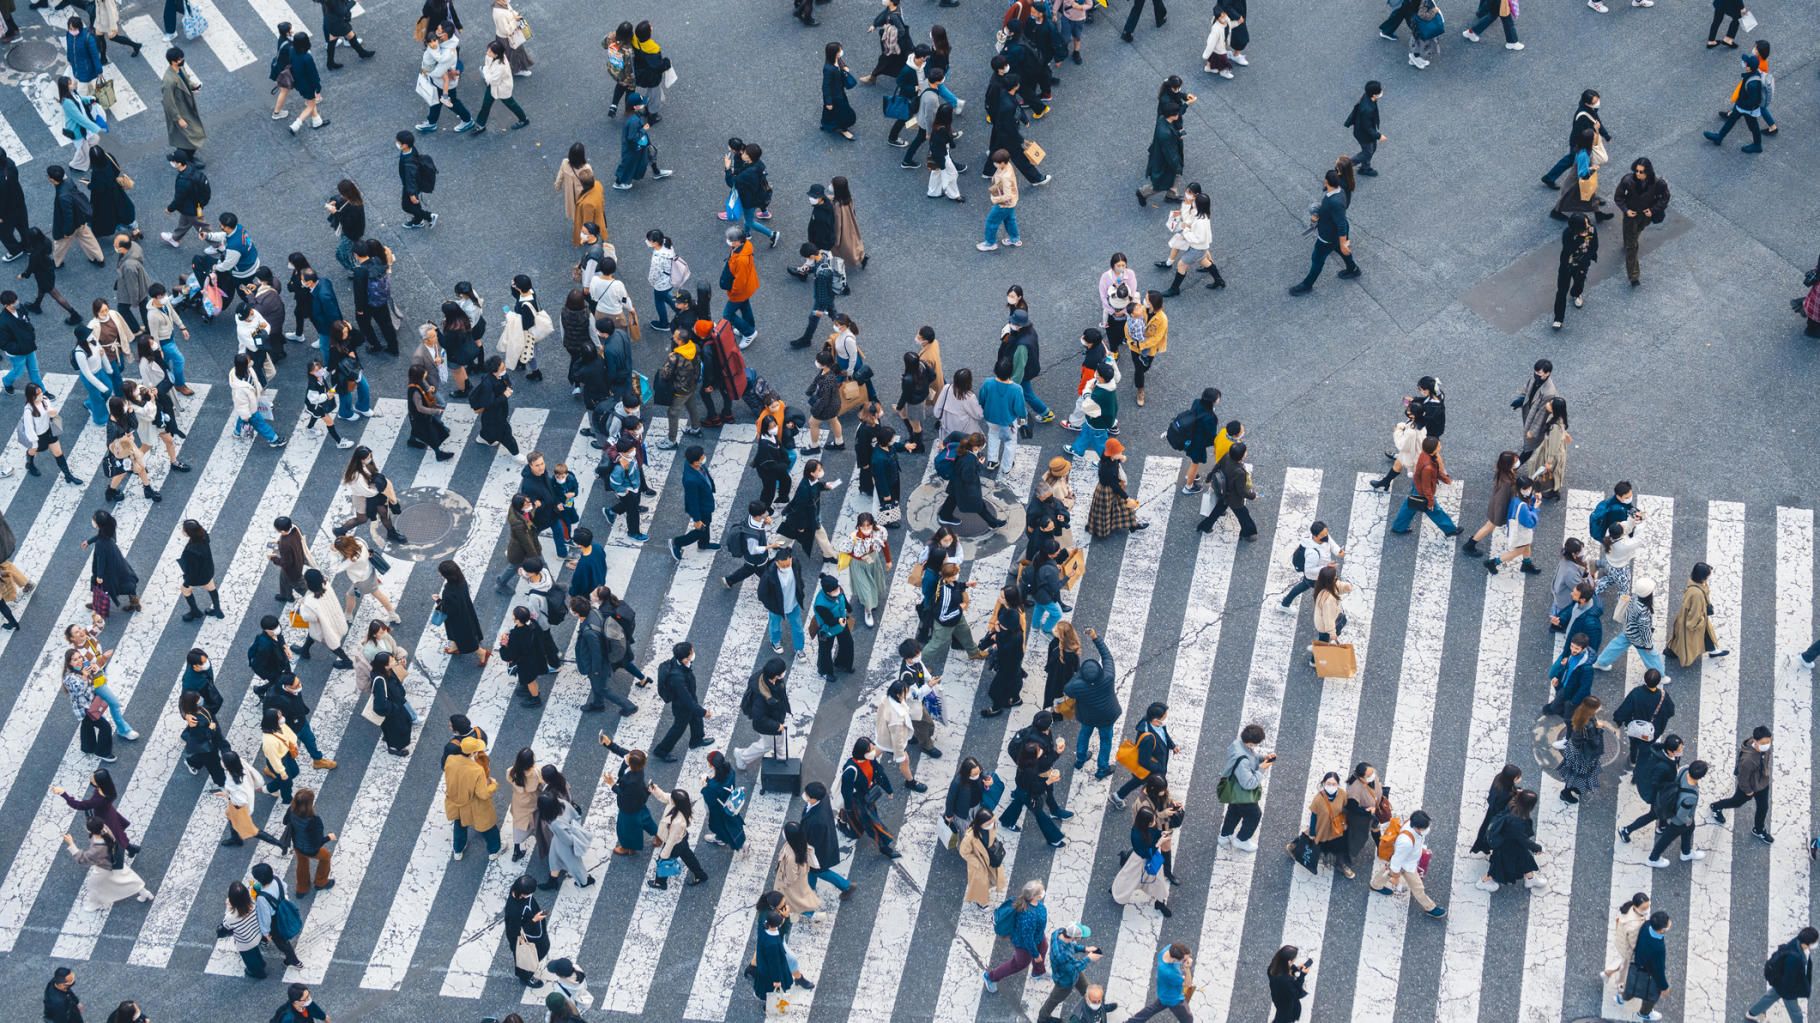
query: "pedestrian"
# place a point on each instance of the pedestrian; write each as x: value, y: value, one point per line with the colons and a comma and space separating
x: 1160, y: 12
x: 338, y: 27
x: 279, y: 921
x: 1403, y: 867
x: 527, y: 934
x: 1364, y: 122
x: 1003, y: 195
x: 744, y: 173
x: 15, y: 219
x: 1502, y: 11
x: 651, y: 69
x: 1512, y: 841
x: 673, y: 840
x: 468, y: 797
x: 1639, y: 631
x: 1288, y: 983
x: 1753, y: 781
x: 1430, y: 471
x: 1675, y: 804
x: 1790, y: 973
x: 894, y: 43
x: 739, y: 279
x: 1231, y: 490
x: 837, y: 112
x: 1579, y: 250
x: 71, y: 217
x: 182, y: 116
x: 1332, y: 234
x: 1571, y: 676
x: 1647, y: 979
x: 1582, y: 750
x: 1241, y: 788
x: 1656, y: 769
x: 1193, y: 238
x: 725, y: 800
x: 416, y: 176
x: 1644, y: 199
x: 109, y: 877
x: 1722, y: 9
x: 240, y: 922
x: 1626, y: 923
x: 1174, y: 979
x: 1167, y: 158
x: 1644, y: 714
x: 60, y: 1002
x: 1029, y: 920
x: 438, y: 74
x: 1140, y: 876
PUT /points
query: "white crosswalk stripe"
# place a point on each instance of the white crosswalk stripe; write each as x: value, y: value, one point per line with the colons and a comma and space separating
x: 430, y: 912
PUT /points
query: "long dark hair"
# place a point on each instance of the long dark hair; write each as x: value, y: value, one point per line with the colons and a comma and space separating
x: 521, y: 765
x: 1506, y: 780
x: 797, y: 840
x: 1279, y: 963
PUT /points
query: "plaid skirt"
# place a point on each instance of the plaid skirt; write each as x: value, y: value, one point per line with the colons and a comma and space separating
x: 1108, y: 513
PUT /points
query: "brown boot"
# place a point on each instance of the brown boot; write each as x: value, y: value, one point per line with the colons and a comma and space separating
x: 323, y: 764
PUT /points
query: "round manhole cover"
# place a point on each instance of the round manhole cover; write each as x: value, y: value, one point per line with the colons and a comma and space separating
x: 1550, y: 730
x: 435, y: 523
x: 921, y: 506
x: 33, y: 56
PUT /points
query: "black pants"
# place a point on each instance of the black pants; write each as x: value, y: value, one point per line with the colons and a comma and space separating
x: 367, y: 319
x: 97, y: 735
x: 1750, y: 121
x: 1318, y: 260
x: 774, y: 484
x: 1568, y: 280
x: 1367, y: 150
x: 599, y: 694
x: 834, y: 651
x: 1244, y: 817
x: 1739, y: 797
x: 1712, y: 32
x: 1649, y: 817
x: 418, y: 211
x: 744, y: 572
x: 699, y: 537
x: 1403, y: 12
x: 209, y: 761
x: 12, y: 235
x: 486, y: 107
x: 915, y: 144
x: 1239, y: 511
x: 1666, y: 835
x: 1137, y: 8
x: 682, y: 852
x: 678, y: 725
x: 629, y: 507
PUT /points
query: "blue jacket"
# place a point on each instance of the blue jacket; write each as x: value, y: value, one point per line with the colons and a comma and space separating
x: 1651, y: 956
x: 84, y: 56
x: 325, y: 308
x: 1168, y: 980
x: 1028, y: 927
x: 304, y: 76
x: 239, y: 246
x: 1330, y: 220
x: 698, y: 495
x: 1575, y: 677
x: 1002, y: 402
x: 590, y: 571
x: 1067, y: 959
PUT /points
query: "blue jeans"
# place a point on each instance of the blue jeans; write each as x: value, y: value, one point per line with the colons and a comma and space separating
x: 260, y: 427
x: 829, y: 875
x: 739, y: 314
x: 1411, y: 506
x: 947, y: 95
x: 96, y: 402
x: 360, y: 400
x: 1485, y: 20
x: 557, y: 531
x: 1082, y: 741
x: 1035, y: 404
x: 1006, y: 215
x: 665, y: 307
x: 173, y: 357
x: 114, y: 709
x: 1091, y: 437
x: 1614, y: 650
x: 491, y: 835
x: 306, y: 737
x: 1302, y: 585
x: 27, y: 364
x: 1046, y: 616
x: 1761, y: 1005
x: 754, y: 224
x: 1559, y: 168
x: 775, y: 629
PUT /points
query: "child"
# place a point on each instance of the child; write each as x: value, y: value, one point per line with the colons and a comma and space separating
x: 1218, y: 52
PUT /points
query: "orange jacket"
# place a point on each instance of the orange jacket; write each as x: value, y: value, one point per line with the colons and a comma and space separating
x: 742, y: 273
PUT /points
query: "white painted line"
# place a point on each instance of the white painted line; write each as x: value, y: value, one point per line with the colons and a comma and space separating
x: 151, y: 34
x: 195, y: 850
x: 1791, y: 776
x: 163, y: 749
x: 38, y: 850
x: 1487, y: 741
x: 1709, y: 892
x: 655, y: 911
x: 573, y: 908
x: 274, y: 11
x: 229, y: 48
x: 1545, y: 970
x: 1406, y: 765
x: 1140, y: 928
x: 339, y: 701
x: 971, y: 951
x: 920, y: 832
x: 16, y: 148
x: 1071, y: 867
x: 41, y: 92
x: 481, y: 934
x: 1305, y: 913
x: 1272, y: 651
x: 41, y: 691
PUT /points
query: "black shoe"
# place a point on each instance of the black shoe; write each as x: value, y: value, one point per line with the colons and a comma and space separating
x: 1350, y: 273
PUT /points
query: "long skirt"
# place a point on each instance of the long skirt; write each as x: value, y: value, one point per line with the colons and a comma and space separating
x: 630, y: 829
x: 1131, y: 886
x: 517, y: 58
x: 106, y: 887
x: 866, y: 580
x: 1109, y: 514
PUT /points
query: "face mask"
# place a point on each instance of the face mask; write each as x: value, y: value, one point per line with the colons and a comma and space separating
x: 1763, y: 747
x: 1331, y: 790
x: 204, y: 666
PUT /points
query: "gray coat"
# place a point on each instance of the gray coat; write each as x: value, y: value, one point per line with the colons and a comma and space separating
x: 1535, y: 411
x: 7, y: 543
x: 130, y: 279
x: 1244, y: 762
x: 179, y: 96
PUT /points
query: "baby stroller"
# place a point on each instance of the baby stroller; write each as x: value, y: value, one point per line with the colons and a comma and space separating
x: 199, y: 290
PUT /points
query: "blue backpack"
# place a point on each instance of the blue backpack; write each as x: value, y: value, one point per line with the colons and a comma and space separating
x: 286, y: 922
x: 944, y: 459
x: 1004, y: 918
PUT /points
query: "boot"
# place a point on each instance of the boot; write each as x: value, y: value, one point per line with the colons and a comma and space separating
x: 1470, y: 548
x: 365, y: 54
x: 68, y: 476
x: 31, y: 464
x: 152, y: 495
x: 1175, y: 286
x: 215, y: 605
x: 194, y: 614
x: 1383, y: 482
x: 1218, y: 281
x: 330, y: 62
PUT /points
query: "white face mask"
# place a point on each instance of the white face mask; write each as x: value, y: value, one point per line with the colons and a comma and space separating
x: 1332, y: 790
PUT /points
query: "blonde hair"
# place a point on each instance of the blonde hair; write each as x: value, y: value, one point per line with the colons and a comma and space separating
x: 1066, y: 636
x: 1029, y: 895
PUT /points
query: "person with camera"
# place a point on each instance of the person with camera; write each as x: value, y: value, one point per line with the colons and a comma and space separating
x: 1241, y: 788
x: 1069, y: 957
x: 1288, y: 984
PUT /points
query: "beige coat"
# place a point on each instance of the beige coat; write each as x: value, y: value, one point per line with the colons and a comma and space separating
x: 524, y: 799
x: 1329, y: 815
x: 1623, y: 941
x: 931, y: 355
x: 568, y: 185
x: 468, y: 794
x: 1692, y: 633
x: 848, y: 244
x: 893, y: 726
x: 328, y: 622
x: 983, y: 879
x: 671, y: 828
x: 1327, y: 609
x: 1547, y: 464
x: 793, y: 881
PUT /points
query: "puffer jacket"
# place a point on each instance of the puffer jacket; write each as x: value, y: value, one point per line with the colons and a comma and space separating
x: 1094, y: 688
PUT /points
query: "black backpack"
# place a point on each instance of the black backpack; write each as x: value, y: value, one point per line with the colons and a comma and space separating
x: 201, y: 181
x: 1181, y: 428
x: 426, y: 173
x: 1299, y: 557
x: 556, y: 601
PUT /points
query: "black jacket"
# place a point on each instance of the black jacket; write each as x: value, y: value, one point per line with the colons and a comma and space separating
x: 407, y: 172
x: 1634, y: 196
x: 818, y: 828
x: 821, y: 225
x: 767, y: 714
x: 748, y: 179
x: 291, y: 705
x: 197, y: 563
x: 1330, y: 219
x: 268, y: 658
x: 676, y: 687
x: 1364, y: 121
x: 17, y: 335
x: 1654, y: 769
x: 1165, y: 153
x: 337, y: 17
x: 771, y: 588
x: 63, y: 1006
x: 803, y: 515
x: 12, y: 195
x: 72, y: 210
x: 1793, y: 976
x: 1578, y: 254
x: 186, y: 195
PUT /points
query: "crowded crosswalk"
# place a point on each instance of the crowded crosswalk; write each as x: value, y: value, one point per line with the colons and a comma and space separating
x: 1450, y: 670
x: 237, y: 34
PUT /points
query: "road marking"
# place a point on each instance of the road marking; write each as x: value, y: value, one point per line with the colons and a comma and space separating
x: 1791, y: 778
x: 220, y: 36
x: 1406, y: 762
x: 482, y: 933
x: 43, y: 840
x: 1709, y: 892
x: 195, y: 851
x: 1229, y: 886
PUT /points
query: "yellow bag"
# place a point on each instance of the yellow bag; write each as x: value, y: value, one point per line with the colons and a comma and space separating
x: 842, y: 561
x: 297, y: 621
x: 1128, y: 759
x: 1033, y: 152
x: 524, y: 28
x: 1064, y: 707
x: 1589, y: 186
x: 420, y: 31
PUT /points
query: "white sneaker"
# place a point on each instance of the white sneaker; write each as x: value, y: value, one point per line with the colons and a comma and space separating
x: 344, y: 443
x: 1249, y: 845
x: 459, y: 854
x: 1416, y: 61
x: 1471, y: 36
x: 1239, y: 59
x: 1657, y: 863
x: 1225, y: 840
x: 1650, y: 1016
x: 1536, y: 883
x: 129, y: 735
x: 986, y: 246
x: 1597, y: 6
x: 1643, y: 3
x: 1485, y: 886
x: 745, y: 341
x: 1688, y: 857
x: 168, y: 240
x: 1513, y: 46
x: 1226, y: 73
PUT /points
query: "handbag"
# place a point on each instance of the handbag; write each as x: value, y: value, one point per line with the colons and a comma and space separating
x: 669, y: 867
x: 98, y: 600
x: 421, y: 30
x: 1306, y: 852
x: 378, y: 560
x: 1589, y: 186
x: 96, y: 707
x: 1065, y: 707
x: 524, y: 956
x: 194, y: 24
x: 1128, y: 759
x: 668, y: 81
x: 124, y: 180
x: 524, y: 28
x: 297, y: 621
x: 1033, y: 152
x: 104, y: 92
x: 426, y: 90
x: 438, y: 618
x: 897, y: 108
x: 371, y: 712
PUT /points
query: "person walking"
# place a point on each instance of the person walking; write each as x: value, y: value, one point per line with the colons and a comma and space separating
x: 1402, y: 868
x: 1579, y: 250
x: 1333, y: 233
x: 1691, y: 635
x: 1647, y: 979
x: 61, y: 1005
x: 1193, y: 238
x: 1140, y: 877
x: 1644, y: 714
x: 1002, y: 193
x: 1656, y: 770
x: 1364, y: 122
x: 1231, y: 491
x: 240, y: 922
x: 338, y: 27
x: 1639, y: 631
x: 416, y: 176
x: 1753, y: 780
x: 1241, y: 788
x: 468, y: 797
x: 1748, y: 105
x: 1511, y: 839
x: 1174, y: 970
x: 1582, y: 750
x: 1676, y: 805
x: 673, y: 840
x: 527, y: 933
x: 109, y: 878
x: 1502, y: 11
x: 279, y: 921
x: 1167, y: 157
x: 1722, y: 9
x: 438, y: 74
x: 183, y: 125
x: 1643, y: 197
x: 1029, y: 920
x: 306, y: 835
x: 1790, y: 973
